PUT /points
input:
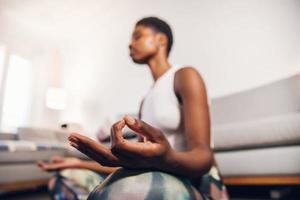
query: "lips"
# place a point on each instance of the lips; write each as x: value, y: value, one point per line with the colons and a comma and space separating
x: 132, y: 53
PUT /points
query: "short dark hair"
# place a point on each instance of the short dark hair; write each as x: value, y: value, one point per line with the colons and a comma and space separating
x: 160, y: 26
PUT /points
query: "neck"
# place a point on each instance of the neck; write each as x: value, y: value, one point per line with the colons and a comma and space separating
x: 158, y: 65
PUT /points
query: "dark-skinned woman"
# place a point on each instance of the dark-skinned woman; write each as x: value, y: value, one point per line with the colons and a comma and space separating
x: 173, y: 159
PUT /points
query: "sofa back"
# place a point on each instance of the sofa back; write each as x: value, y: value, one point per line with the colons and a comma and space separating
x: 275, y: 98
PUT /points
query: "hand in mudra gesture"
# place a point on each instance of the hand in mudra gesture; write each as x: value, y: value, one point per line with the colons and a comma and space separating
x: 154, y: 151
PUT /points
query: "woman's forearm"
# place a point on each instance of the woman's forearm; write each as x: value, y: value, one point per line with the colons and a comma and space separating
x: 191, y: 164
x: 94, y: 166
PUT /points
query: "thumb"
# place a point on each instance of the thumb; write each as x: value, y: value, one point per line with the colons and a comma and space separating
x: 40, y: 163
x: 141, y: 127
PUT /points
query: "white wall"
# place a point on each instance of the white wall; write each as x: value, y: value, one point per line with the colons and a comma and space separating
x: 236, y: 45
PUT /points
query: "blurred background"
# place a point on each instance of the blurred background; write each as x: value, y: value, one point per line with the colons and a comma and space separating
x: 67, y: 62
x: 76, y: 53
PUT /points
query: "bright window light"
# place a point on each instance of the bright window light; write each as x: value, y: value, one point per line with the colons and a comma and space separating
x: 17, y: 94
x: 2, y: 57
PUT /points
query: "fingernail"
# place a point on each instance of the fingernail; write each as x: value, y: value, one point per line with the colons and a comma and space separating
x: 130, y: 120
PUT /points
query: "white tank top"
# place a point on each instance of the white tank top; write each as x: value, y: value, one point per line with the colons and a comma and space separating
x: 161, y: 109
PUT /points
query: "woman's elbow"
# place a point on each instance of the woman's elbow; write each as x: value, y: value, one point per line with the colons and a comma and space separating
x: 203, y: 165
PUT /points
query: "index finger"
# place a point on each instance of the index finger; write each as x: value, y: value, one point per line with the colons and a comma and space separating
x: 143, y: 128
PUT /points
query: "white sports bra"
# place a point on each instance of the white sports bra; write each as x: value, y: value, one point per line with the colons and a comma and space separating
x: 161, y: 109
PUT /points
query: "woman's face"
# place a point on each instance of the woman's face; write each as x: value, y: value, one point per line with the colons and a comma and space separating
x: 144, y: 44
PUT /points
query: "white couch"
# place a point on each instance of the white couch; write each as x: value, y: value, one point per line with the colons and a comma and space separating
x: 256, y: 134
x: 19, y: 153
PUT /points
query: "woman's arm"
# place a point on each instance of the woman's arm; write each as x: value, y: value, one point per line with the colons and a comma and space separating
x: 197, y: 160
x: 190, y: 90
x: 155, y: 152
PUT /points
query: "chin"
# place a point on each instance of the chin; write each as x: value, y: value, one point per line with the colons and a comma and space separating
x: 139, y: 60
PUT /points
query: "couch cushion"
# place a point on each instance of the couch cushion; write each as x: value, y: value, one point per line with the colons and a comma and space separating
x: 23, y: 145
x: 13, y: 173
x: 8, y: 136
x: 36, y: 134
x: 18, y: 159
x: 263, y: 161
x: 271, y: 131
x: 28, y: 151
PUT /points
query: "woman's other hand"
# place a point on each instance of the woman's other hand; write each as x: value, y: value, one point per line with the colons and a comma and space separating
x: 58, y: 163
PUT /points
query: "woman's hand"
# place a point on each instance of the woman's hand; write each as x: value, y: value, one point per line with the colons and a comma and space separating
x: 151, y: 153
x: 59, y: 163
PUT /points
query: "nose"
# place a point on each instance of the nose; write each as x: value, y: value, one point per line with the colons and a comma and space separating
x: 130, y: 46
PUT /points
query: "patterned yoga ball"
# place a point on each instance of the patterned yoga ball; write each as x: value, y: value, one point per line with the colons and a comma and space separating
x: 143, y: 185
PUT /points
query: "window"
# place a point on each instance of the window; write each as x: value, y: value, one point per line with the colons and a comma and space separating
x: 17, y: 94
x: 2, y: 57
x: 2, y: 72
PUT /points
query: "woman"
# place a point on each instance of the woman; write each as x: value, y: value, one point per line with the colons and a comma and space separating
x: 173, y: 158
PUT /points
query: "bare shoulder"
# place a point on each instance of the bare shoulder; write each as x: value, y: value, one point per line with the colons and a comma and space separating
x: 187, y: 70
x: 187, y: 77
